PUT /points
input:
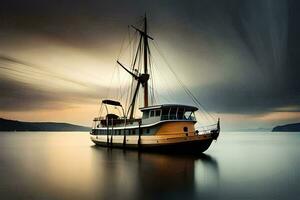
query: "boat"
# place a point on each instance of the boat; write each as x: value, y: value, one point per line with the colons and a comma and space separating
x: 161, y: 127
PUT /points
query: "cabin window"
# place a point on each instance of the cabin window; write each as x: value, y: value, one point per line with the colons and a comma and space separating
x: 145, y: 114
x: 185, y: 129
x: 173, y: 113
x: 157, y: 113
x: 165, y: 113
x: 152, y: 113
x: 147, y: 130
x: 188, y: 114
x: 133, y: 132
x: 180, y: 113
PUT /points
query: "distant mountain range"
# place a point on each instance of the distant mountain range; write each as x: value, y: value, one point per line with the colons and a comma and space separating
x: 287, y: 128
x: 12, y: 125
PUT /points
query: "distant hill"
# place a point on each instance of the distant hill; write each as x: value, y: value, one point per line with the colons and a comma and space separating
x: 12, y: 125
x: 287, y: 128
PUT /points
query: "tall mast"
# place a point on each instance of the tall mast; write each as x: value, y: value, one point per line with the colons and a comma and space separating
x: 141, y: 78
x: 145, y: 62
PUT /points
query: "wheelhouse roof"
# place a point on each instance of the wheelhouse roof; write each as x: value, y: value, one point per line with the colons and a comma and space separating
x: 191, y: 108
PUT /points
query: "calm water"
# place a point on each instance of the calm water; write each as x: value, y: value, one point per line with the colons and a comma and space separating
x: 69, y: 166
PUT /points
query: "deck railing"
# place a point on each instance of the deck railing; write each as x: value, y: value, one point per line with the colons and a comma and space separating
x: 103, y: 122
x: 207, y: 129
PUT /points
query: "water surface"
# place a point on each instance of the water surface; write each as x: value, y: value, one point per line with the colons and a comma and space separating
x: 44, y: 165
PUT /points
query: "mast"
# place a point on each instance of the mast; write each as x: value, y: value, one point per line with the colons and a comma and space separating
x: 143, y: 77
x: 145, y: 62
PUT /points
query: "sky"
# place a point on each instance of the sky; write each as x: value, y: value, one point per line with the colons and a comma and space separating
x: 239, y: 58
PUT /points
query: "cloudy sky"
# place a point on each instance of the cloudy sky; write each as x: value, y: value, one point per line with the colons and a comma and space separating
x: 240, y: 58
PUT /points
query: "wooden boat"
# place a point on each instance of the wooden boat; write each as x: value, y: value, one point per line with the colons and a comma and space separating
x: 164, y: 127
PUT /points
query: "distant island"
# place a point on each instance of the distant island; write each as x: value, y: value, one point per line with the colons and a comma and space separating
x: 287, y: 128
x: 13, y: 125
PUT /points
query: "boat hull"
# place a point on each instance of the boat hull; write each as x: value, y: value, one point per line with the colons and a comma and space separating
x: 190, y: 145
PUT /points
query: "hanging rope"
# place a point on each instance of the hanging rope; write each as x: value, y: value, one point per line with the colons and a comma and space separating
x: 168, y: 89
x: 187, y: 91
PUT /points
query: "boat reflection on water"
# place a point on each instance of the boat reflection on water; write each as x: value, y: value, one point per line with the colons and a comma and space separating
x: 136, y: 175
x: 79, y: 170
x: 74, y: 169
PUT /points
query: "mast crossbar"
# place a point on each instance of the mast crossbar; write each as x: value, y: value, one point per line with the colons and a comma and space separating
x: 142, y: 32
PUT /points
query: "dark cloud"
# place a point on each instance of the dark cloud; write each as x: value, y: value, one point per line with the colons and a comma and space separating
x: 245, y: 99
x: 263, y: 34
x: 21, y: 96
x: 18, y: 96
x: 268, y: 77
x: 270, y: 30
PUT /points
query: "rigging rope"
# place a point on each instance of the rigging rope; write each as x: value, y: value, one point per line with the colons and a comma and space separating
x: 188, y: 92
x: 135, y: 65
x: 169, y: 90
